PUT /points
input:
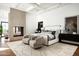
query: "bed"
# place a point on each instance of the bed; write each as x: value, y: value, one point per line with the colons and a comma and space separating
x: 50, y: 34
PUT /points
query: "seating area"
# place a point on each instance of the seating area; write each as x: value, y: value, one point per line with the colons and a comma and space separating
x: 40, y: 39
x: 33, y: 41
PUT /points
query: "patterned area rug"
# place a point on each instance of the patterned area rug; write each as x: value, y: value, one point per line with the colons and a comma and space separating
x: 57, y: 49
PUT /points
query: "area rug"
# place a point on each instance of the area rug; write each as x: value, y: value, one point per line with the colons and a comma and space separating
x: 57, y: 49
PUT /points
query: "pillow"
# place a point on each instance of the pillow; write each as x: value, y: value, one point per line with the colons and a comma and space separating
x: 47, y: 32
x: 51, y: 37
x: 53, y: 32
x: 26, y: 36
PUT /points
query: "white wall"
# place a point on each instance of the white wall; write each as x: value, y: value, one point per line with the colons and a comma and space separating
x: 52, y: 17
x: 4, y: 13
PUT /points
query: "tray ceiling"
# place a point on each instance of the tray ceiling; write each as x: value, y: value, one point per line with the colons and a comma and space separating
x: 29, y: 6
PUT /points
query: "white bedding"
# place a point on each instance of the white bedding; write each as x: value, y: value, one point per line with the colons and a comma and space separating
x: 45, y: 35
x: 48, y: 38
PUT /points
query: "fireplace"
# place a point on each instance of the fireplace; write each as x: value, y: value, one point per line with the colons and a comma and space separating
x: 18, y: 31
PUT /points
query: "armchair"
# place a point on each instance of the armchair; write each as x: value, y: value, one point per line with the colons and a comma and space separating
x: 36, y: 42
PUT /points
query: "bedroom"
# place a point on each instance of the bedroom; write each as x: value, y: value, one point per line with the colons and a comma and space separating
x: 52, y: 17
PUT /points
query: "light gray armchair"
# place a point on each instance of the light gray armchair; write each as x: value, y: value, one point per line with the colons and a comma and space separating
x: 36, y: 42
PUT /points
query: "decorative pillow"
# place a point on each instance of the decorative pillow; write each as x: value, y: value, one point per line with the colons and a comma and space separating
x: 53, y: 32
x: 26, y: 36
x: 46, y: 32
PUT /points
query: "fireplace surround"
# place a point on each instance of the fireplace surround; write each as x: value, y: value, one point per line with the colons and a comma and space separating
x: 18, y: 31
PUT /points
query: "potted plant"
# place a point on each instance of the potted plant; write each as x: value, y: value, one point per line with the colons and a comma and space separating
x: 0, y: 30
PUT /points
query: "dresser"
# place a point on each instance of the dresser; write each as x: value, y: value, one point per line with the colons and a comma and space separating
x: 69, y: 38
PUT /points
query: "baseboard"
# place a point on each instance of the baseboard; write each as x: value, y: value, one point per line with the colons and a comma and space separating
x: 70, y: 42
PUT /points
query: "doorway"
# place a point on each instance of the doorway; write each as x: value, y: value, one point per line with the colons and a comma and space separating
x: 4, y: 28
x: 4, y: 31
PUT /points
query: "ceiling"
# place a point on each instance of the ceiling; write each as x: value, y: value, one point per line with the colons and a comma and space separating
x: 29, y: 7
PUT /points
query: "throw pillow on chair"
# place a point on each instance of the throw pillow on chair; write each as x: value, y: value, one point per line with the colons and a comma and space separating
x: 26, y: 39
